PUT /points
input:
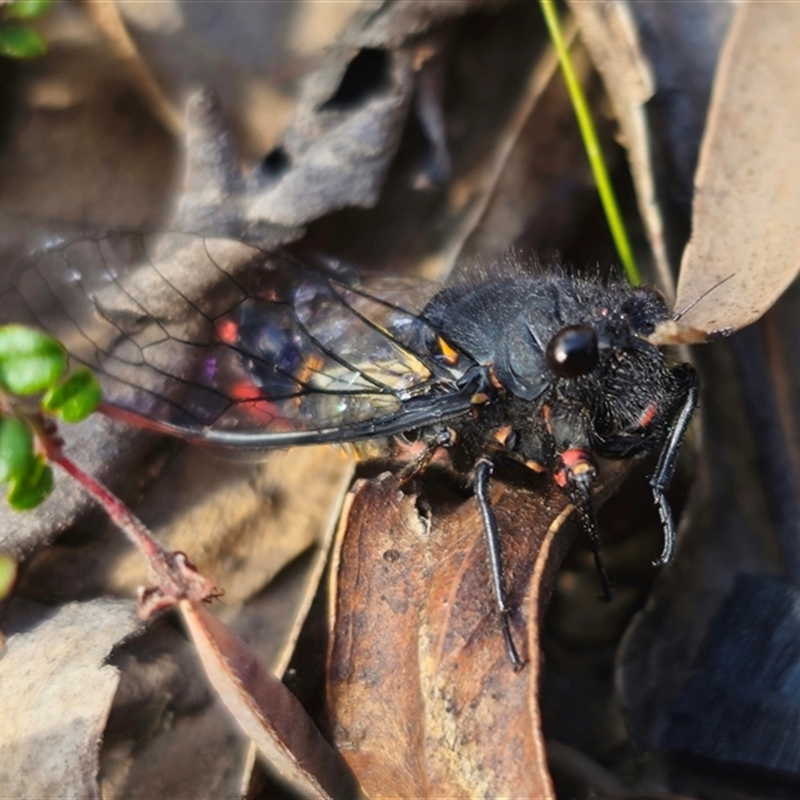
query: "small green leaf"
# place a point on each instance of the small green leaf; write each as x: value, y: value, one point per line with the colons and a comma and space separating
x: 21, y: 41
x: 30, y: 361
x: 75, y: 397
x: 16, y: 449
x: 27, y: 9
x: 33, y: 488
x: 8, y: 574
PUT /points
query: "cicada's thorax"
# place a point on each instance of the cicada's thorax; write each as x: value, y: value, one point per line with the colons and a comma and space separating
x: 570, y: 367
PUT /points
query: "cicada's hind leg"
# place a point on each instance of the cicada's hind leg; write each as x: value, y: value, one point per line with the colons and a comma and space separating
x: 665, y: 468
x: 483, y: 471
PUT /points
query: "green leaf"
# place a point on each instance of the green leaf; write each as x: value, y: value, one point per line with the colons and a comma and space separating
x: 8, y: 574
x: 27, y: 9
x: 30, y: 361
x: 16, y: 449
x: 75, y: 397
x: 31, y: 490
x: 21, y: 41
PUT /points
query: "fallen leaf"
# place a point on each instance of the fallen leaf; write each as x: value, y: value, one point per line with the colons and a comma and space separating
x: 424, y: 699
x: 745, y: 241
x: 168, y: 735
x: 56, y: 692
x: 266, y: 710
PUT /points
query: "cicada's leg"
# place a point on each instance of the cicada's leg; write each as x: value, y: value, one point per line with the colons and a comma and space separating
x: 442, y: 438
x: 665, y: 468
x: 576, y: 475
x: 483, y: 471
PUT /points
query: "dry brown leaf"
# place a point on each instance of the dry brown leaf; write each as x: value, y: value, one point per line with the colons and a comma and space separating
x: 745, y: 241
x: 266, y: 710
x: 425, y: 700
x: 55, y: 692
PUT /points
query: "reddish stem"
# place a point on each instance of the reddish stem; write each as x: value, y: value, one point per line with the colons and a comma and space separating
x: 176, y: 577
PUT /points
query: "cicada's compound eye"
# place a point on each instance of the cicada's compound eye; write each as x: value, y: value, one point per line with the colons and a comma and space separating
x: 573, y: 351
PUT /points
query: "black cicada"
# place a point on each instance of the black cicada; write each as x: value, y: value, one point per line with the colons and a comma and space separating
x: 537, y: 366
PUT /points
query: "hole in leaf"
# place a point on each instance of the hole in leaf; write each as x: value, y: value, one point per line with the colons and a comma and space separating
x: 276, y: 162
x: 366, y: 75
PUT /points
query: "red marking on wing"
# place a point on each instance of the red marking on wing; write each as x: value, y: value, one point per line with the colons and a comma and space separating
x: 257, y: 408
x: 228, y: 331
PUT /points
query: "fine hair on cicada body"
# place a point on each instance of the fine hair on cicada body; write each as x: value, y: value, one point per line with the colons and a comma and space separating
x: 542, y: 367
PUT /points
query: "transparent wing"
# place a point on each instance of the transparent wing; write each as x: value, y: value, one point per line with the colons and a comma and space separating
x: 217, y: 340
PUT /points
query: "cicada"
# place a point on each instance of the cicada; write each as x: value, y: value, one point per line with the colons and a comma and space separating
x: 540, y: 366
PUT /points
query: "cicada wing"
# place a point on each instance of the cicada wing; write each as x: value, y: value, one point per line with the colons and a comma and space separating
x: 213, y: 336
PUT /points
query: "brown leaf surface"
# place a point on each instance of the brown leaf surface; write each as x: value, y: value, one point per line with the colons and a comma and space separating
x: 745, y: 242
x: 266, y: 710
x: 425, y: 701
x: 55, y: 692
x: 244, y: 521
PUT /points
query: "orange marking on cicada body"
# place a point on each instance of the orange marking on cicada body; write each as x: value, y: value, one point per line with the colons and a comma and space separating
x: 574, y: 462
x: 547, y: 414
x: 501, y: 434
x: 649, y: 415
x: 495, y: 381
x: 311, y: 365
x: 534, y: 466
x: 446, y: 351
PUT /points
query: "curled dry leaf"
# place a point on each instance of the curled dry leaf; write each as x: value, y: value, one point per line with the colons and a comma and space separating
x: 425, y: 702
x: 266, y: 710
x: 745, y: 241
x: 56, y: 692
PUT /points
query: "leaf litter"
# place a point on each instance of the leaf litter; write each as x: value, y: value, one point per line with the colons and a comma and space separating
x: 52, y: 723
x: 399, y: 236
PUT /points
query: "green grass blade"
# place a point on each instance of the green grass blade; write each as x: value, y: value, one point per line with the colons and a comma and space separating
x: 591, y: 143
